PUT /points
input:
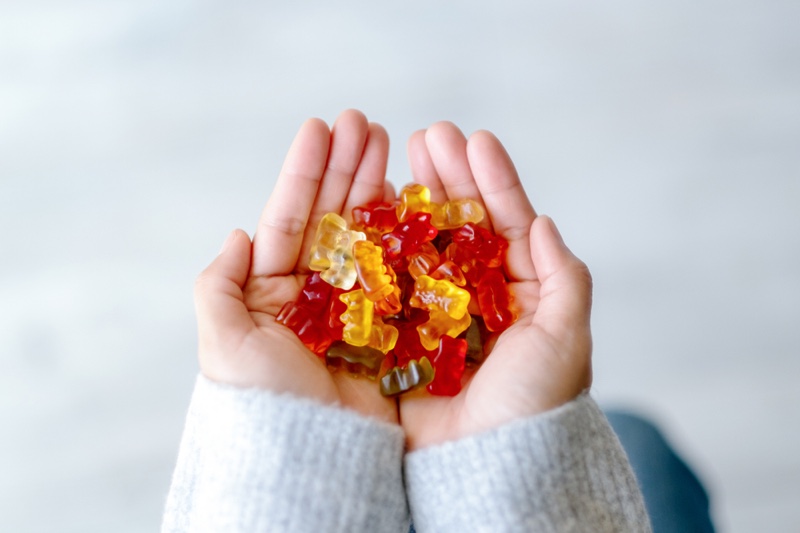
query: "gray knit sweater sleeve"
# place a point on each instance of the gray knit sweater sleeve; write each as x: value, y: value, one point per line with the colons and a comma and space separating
x: 561, y: 471
x: 254, y: 461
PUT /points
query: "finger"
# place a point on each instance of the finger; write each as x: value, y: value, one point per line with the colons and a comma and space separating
x: 348, y: 137
x: 219, y: 302
x: 448, y: 149
x: 507, y: 206
x: 368, y: 182
x: 389, y: 194
x: 348, y: 140
x: 566, y: 285
x: 279, y: 236
x: 422, y: 169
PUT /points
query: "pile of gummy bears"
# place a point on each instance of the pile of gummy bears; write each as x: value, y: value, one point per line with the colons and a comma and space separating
x: 390, y: 295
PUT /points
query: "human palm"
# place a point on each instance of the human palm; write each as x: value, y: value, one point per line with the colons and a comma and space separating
x: 540, y: 362
x: 543, y: 359
x: 239, y: 295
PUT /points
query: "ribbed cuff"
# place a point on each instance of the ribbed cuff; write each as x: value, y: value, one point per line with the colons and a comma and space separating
x: 251, y: 460
x: 563, y: 470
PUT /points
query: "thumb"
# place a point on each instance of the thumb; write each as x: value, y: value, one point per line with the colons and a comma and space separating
x: 219, y: 301
x: 565, y: 299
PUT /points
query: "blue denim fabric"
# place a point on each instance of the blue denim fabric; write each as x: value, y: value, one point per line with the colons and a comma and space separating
x: 675, y: 498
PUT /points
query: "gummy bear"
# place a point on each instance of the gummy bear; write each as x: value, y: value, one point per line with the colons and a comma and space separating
x: 474, y: 337
x: 408, y: 236
x: 391, y: 304
x: 494, y: 300
x: 448, y: 364
x: 303, y: 315
x: 371, y: 272
x: 305, y: 324
x: 357, y: 319
x: 414, y: 198
x: 375, y: 219
x: 481, y: 244
x: 432, y: 294
x: 362, y: 360
x: 334, y: 312
x: 440, y: 323
x: 456, y: 213
x: 315, y: 294
x: 403, y: 379
x: 448, y: 270
x: 466, y: 262
x: 332, y: 251
x: 408, y: 345
x: 425, y: 259
x: 382, y: 337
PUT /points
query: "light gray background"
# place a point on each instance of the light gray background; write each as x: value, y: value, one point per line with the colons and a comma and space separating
x: 134, y: 135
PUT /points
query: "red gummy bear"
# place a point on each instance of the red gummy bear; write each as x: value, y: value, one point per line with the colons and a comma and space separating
x: 481, y: 244
x: 408, y: 236
x: 381, y: 216
x: 315, y: 294
x: 495, y: 300
x: 306, y: 325
x: 409, y: 346
x: 448, y: 363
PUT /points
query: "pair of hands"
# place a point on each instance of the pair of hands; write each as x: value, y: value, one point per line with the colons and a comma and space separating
x: 542, y: 361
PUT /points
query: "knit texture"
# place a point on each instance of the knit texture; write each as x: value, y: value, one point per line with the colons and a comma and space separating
x: 252, y: 461
x: 561, y: 471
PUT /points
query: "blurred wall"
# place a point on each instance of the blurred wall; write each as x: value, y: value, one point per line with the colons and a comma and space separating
x: 662, y: 137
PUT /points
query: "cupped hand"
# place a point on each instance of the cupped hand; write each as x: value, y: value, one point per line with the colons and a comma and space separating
x: 239, y: 295
x: 544, y: 359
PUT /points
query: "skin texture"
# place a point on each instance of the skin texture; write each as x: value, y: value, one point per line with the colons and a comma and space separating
x: 238, y: 296
x: 541, y: 362
x: 544, y: 359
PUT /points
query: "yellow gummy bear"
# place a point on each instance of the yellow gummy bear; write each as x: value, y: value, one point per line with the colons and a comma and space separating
x: 357, y: 319
x: 440, y: 295
x: 332, y: 251
x: 371, y: 272
x: 382, y: 337
x: 362, y: 327
x: 414, y: 198
x: 440, y: 323
x: 455, y: 213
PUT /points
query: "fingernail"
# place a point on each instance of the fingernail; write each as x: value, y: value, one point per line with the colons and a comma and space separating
x: 228, y: 242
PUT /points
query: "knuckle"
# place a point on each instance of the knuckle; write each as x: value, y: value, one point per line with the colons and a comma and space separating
x: 204, y: 283
x: 290, y: 226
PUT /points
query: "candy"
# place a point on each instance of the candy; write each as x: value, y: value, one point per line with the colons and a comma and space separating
x: 357, y: 319
x: 474, y: 337
x: 452, y: 214
x: 375, y: 220
x: 409, y: 346
x: 439, y: 324
x: 414, y: 198
x: 456, y: 213
x: 495, y: 300
x: 408, y: 236
x: 394, y: 292
x: 439, y: 295
x: 359, y: 360
x: 448, y: 365
x: 332, y: 251
x: 403, y: 379
x: 377, y: 279
x: 423, y: 261
x: 306, y: 326
x: 481, y: 244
